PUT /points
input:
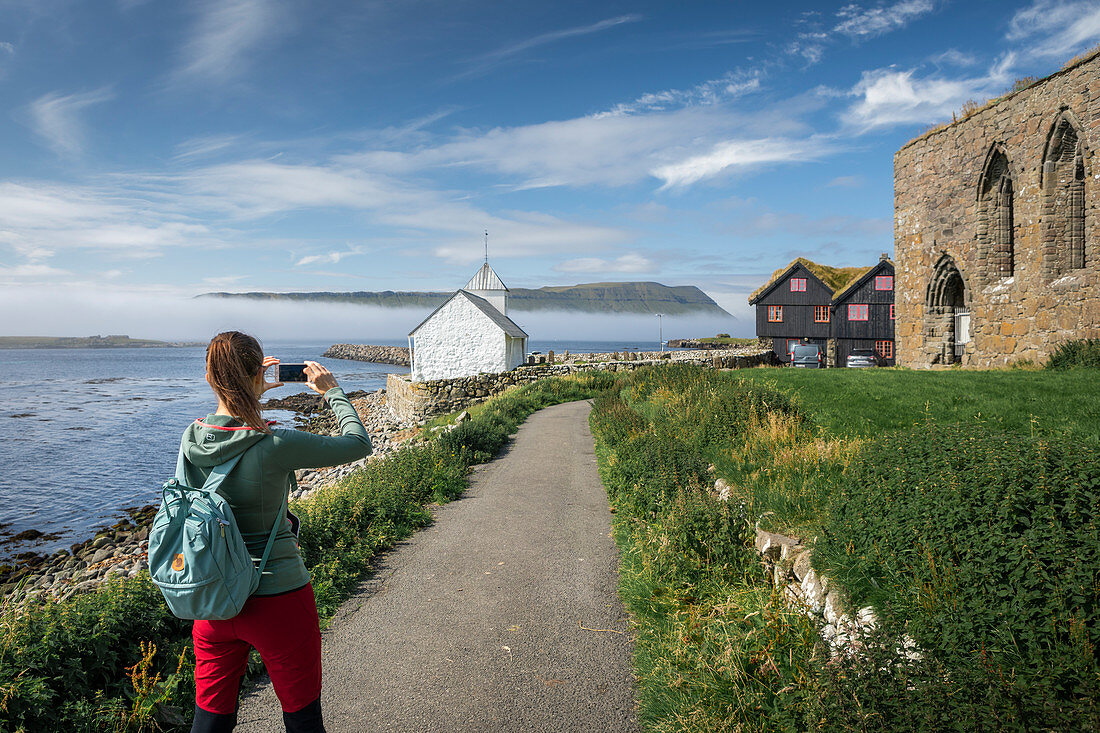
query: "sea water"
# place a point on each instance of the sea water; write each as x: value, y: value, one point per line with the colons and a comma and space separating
x: 85, y: 433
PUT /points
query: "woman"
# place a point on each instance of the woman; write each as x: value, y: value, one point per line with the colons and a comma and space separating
x: 280, y: 619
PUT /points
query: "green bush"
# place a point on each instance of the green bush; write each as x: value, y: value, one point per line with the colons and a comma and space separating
x: 1082, y: 354
x: 985, y: 548
x: 62, y: 665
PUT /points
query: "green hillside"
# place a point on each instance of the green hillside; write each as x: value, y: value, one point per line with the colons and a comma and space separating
x: 625, y: 297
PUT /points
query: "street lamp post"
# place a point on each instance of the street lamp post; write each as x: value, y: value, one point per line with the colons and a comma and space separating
x: 661, y: 330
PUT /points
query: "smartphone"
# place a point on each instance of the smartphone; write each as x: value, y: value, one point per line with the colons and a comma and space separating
x: 292, y: 373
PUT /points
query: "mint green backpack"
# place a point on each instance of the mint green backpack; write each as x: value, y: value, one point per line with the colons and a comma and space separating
x: 197, y: 556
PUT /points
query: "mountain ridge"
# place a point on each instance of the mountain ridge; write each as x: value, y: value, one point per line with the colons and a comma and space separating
x: 606, y: 297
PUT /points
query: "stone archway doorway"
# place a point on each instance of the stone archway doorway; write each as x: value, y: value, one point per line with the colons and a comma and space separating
x: 947, y: 314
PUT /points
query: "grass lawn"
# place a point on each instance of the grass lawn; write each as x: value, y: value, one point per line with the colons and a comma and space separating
x: 961, y: 505
x: 868, y: 402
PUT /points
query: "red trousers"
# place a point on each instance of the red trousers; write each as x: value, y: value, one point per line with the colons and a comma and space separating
x: 284, y: 629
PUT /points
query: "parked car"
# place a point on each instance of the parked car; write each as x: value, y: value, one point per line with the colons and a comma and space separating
x: 862, y: 358
x: 807, y: 356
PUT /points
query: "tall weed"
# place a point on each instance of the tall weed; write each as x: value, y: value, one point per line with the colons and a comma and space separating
x: 1080, y: 354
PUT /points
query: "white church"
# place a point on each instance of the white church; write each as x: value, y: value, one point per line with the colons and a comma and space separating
x: 469, y: 334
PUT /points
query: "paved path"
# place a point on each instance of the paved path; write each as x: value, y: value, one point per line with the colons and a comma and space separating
x: 474, y: 624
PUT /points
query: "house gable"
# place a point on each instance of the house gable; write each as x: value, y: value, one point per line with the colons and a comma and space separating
x: 862, y: 314
x: 778, y: 290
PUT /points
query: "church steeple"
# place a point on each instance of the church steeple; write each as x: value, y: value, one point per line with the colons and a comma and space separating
x: 486, y: 284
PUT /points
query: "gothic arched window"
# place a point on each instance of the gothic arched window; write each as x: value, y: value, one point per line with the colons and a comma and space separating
x: 1063, y: 224
x: 995, y: 226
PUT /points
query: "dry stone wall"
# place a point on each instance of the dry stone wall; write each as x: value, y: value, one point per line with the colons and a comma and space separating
x: 999, y: 214
x: 414, y: 402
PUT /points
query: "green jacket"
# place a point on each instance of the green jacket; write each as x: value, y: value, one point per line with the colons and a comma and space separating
x: 256, y: 487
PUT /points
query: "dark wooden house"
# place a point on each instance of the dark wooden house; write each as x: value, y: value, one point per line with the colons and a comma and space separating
x: 863, y: 314
x: 837, y: 308
x: 793, y: 307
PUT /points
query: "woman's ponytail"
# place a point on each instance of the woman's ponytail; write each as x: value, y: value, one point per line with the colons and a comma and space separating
x: 233, y: 359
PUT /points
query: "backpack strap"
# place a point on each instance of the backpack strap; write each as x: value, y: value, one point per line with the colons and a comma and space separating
x: 219, y: 472
x: 214, y: 481
x: 180, y: 466
x: 279, y: 519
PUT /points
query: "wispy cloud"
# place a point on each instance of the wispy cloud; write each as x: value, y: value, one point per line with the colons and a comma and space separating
x: 226, y: 36
x: 56, y: 119
x: 604, y: 150
x: 846, y: 182
x: 487, y: 61
x: 1057, y: 28
x: 632, y: 262
x: 852, y: 22
x: 737, y: 154
x: 857, y: 22
x: 954, y: 57
x: 730, y: 86
x: 890, y: 97
x: 201, y: 147
x: 42, y: 218
x: 329, y: 258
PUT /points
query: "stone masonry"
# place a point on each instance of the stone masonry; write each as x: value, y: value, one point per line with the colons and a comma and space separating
x: 997, y: 222
x: 416, y: 401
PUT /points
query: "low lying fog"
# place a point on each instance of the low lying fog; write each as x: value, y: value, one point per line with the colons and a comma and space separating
x: 173, y: 318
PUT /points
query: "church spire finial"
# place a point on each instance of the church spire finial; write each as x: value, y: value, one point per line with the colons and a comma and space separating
x: 486, y: 246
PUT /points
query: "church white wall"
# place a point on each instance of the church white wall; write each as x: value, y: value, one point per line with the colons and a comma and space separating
x: 497, y: 298
x: 458, y: 341
x: 517, y: 351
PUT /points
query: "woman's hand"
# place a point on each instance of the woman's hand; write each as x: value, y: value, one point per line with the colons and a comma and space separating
x: 269, y: 361
x: 320, y: 378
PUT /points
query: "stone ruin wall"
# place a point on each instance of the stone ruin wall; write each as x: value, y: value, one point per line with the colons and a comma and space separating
x: 949, y: 190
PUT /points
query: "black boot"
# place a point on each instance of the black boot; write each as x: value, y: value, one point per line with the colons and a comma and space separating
x: 306, y: 720
x: 208, y: 722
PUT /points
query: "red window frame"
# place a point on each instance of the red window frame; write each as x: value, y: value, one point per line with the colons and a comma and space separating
x: 885, y: 349
x: 884, y: 282
x: 821, y: 314
x: 858, y: 311
x: 891, y: 311
x: 775, y: 314
x: 798, y: 284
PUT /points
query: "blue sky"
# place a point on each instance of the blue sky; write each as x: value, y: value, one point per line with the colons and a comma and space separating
x: 155, y: 150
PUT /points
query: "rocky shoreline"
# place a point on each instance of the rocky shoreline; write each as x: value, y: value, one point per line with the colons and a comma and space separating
x: 117, y: 550
x: 121, y: 550
x: 387, y: 434
x: 398, y: 355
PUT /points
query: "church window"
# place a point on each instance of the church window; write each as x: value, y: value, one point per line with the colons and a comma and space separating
x: 1062, y: 227
x: 995, y: 216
